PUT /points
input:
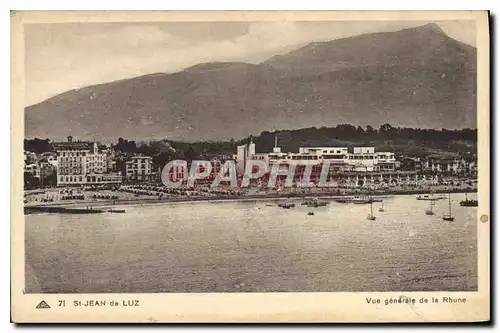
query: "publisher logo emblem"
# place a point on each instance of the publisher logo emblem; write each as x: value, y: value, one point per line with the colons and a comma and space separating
x: 43, y: 305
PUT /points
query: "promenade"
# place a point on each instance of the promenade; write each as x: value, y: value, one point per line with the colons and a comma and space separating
x: 149, y: 194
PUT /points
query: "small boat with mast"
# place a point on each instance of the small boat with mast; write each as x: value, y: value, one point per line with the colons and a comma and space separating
x: 381, y: 209
x: 430, y: 211
x: 449, y: 217
x: 370, y: 216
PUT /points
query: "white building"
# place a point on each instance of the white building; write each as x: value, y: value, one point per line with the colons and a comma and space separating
x: 34, y: 169
x: 96, y: 160
x: 361, y: 159
x: 82, y: 162
x: 366, y: 159
x: 139, y: 168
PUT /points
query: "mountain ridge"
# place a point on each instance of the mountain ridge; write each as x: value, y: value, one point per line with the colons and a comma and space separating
x: 319, y: 84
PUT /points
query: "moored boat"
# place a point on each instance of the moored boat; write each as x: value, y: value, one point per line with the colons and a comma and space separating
x: 116, y: 211
x: 381, y: 209
x: 286, y: 205
x: 449, y: 217
x: 468, y: 203
x: 429, y: 197
x: 343, y: 200
x: 430, y: 211
x: 365, y: 200
x: 314, y: 202
x: 370, y: 216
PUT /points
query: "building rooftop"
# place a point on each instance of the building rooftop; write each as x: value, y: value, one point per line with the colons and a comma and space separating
x: 75, y: 145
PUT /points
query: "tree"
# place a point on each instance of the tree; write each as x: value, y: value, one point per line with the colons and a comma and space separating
x: 30, y: 181
x: 190, y: 154
x: 38, y: 146
x: 125, y: 146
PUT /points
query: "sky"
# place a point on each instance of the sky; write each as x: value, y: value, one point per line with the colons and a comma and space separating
x: 65, y: 56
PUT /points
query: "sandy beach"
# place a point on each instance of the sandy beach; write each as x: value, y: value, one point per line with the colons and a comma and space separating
x: 128, y: 199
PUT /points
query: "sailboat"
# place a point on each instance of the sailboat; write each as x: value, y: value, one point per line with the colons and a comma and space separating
x: 449, y: 217
x: 381, y: 209
x: 370, y: 216
x: 430, y: 211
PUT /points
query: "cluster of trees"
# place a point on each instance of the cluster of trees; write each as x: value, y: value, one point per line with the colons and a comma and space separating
x: 32, y: 182
x: 410, y: 140
x: 161, y: 151
x: 38, y: 146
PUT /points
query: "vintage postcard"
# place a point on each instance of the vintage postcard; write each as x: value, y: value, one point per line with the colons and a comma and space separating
x: 250, y: 167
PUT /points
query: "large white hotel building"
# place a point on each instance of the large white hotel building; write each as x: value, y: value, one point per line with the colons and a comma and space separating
x: 83, y: 163
x: 341, y: 159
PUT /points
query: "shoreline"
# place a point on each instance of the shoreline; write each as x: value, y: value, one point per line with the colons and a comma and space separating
x: 108, y: 204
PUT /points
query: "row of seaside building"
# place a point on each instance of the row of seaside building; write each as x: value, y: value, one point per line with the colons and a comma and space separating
x: 79, y: 163
x: 342, y: 162
x: 87, y: 163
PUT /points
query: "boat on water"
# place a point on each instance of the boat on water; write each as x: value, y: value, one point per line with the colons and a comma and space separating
x: 358, y: 200
x: 362, y: 201
x: 449, y: 216
x: 286, y: 205
x: 430, y: 211
x: 365, y: 200
x: 116, y: 211
x: 468, y: 203
x: 61, y: 210
x: 429, y: 197
x: 381, y: 209
x: 314, y: 202
x: 370, y: 216
x: 343, y: 200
